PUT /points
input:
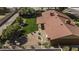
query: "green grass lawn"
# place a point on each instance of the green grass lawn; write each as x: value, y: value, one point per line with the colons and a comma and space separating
x: 31, y: 25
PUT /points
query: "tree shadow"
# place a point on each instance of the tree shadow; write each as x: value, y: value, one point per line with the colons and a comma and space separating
x: 22, y: 40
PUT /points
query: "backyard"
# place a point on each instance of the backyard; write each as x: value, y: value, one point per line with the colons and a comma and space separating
x: 31, y: 25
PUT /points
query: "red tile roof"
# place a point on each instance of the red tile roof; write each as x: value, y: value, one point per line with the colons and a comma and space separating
x: 56, y: 26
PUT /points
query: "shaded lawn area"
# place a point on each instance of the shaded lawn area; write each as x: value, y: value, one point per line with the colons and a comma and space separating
x: 31, y: 25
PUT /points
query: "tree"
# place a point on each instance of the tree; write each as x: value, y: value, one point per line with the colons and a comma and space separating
x: 9, y: 32
x: 19, y: 20
x: 27, y: 12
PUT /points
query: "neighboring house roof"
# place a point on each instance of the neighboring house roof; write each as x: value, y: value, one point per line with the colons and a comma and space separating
x: 56, y: 26
x: 73, y: 11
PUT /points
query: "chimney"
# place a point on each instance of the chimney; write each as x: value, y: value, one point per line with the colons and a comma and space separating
x: 68, y: 22
x: 51, y: 14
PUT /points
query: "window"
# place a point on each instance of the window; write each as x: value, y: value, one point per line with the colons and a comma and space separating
x: 42, y: 26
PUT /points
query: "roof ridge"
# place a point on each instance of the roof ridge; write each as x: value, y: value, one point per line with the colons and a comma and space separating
x: 73, y: 33
x: 65, y: 25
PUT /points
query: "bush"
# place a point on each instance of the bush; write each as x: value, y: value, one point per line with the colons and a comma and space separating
x: 27, y: 13
x: 47, y: 45
x: 9, y: 32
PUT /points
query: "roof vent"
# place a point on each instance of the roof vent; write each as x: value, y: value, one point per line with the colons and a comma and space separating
x: 68, y: 22
x: 51, y: 14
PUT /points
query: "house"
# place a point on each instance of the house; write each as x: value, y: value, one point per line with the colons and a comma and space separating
x: 58, y: 28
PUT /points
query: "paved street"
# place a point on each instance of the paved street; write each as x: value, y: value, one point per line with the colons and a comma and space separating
x: 9, y: 22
